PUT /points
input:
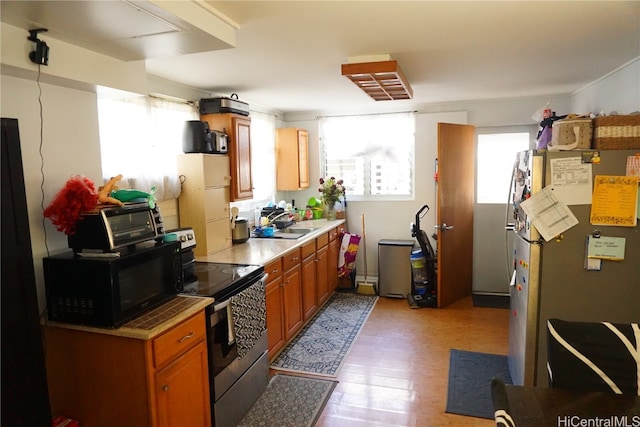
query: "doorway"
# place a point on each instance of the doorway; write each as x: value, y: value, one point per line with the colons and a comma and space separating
x: 496, y: 148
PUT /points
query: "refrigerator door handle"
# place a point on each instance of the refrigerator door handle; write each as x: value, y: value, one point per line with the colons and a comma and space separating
x: 510, y: 226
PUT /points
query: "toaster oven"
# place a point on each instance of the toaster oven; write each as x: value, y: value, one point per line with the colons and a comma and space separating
x: 112, y: 227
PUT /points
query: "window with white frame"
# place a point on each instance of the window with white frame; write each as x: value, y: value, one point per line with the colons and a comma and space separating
x: 372, y: 154
x: 140, y: 138
x: 496, y: 154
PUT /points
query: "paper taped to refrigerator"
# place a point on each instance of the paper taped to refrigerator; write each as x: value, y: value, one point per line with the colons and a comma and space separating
x: 549, y: 215
x: 615, y: 201
x: 603, y: 247
x: 571, y: 180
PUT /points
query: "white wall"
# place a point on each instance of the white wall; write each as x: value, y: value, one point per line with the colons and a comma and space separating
x: 70, y: 146
x: 619, y: 91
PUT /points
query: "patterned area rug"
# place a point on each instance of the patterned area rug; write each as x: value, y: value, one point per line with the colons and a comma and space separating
x: 323, y: 343
x: 289, y: 401
x: 470, y: 375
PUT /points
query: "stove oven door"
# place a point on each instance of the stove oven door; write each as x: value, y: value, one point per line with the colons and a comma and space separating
x: 238, y: 358
x: 221, y: 340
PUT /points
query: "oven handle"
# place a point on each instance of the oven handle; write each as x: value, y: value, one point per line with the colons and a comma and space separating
x: 225, y: 303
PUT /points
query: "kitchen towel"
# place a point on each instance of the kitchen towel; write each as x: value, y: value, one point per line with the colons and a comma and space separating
x: 249, y: 317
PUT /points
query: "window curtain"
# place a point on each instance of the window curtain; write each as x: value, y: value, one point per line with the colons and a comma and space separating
x: 141, y: 138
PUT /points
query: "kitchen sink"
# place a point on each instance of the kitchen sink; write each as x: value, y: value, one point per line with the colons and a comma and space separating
x: 287, y: 233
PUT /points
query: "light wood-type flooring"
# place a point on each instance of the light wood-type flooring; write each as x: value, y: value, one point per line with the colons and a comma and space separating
x: 396, y: 372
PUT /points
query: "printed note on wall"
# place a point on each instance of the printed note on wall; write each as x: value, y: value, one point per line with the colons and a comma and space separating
x: 614, y: 201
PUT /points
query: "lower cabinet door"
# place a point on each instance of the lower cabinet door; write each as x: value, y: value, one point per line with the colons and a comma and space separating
x: 292, y: 291
x: 182, y: 390
x: 309, y: 291
x: 275, y: 322
x: 322, y: 270
x: 332, y: 273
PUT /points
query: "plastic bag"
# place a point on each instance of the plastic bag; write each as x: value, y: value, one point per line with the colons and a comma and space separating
x: 542, y: 113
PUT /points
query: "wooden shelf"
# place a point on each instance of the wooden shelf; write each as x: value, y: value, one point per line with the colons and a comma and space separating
x: 382, y: 80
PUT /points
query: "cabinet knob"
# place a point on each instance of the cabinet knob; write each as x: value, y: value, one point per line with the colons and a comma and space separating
x: 165, y: 387
x: 186, y: 337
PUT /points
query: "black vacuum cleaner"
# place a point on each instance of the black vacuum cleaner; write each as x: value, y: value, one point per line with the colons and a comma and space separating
x: 424, y: 278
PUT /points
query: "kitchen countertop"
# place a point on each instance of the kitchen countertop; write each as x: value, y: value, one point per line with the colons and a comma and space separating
x: 152, y: 323
x: 262, y: 251
x: 259, y: 251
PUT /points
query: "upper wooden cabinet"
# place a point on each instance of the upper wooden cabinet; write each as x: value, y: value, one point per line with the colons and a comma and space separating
x: 292, y: 159
x: 239, y: 130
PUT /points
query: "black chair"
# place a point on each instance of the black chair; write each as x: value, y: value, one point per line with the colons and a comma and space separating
x: 593, y: 356
x: 500, y: 402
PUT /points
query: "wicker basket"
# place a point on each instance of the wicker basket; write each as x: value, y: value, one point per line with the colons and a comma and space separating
x: 616, y: 132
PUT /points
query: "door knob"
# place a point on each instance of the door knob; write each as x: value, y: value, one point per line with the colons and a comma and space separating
x: 443, y: 227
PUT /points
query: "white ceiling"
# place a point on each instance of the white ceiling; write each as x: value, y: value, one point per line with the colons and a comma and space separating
x: 288, y: 53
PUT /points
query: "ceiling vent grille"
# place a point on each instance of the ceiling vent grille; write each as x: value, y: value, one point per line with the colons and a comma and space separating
x: 381, y: 80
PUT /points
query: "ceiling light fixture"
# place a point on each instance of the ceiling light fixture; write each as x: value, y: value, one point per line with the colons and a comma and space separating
x: 382, y: 80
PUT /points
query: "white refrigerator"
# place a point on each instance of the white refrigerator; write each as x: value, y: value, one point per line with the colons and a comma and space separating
x: 550, y: 278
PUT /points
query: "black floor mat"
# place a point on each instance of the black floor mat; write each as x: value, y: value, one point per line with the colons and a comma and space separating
x: 491, y: 301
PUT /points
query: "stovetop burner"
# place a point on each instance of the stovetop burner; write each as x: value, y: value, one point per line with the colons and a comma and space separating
x: 219, y: 280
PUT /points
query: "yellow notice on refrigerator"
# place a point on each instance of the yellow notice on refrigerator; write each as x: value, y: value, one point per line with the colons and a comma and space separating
x: 614, y: 201
x: 603, y: 247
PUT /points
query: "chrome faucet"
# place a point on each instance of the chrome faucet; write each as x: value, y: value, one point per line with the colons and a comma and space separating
x: 272, y: 220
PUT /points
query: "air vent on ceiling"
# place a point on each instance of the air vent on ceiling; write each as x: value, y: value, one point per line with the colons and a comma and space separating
x: 381, y: 80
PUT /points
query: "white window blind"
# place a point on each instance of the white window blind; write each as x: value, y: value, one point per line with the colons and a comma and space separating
x: 372, y: 154
x: 140, y: 138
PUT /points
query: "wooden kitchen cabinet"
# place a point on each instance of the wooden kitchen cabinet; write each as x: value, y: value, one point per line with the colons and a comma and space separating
x: 238, y: 128
x: 176, y: 404
x: 102, y: 379
x: 322, y: 267
x: 275, y: 307
x: 332, y: 263
x: 292, y: 293
x: 204, y: 200
x: 309, y: 280
x: 292, y: 159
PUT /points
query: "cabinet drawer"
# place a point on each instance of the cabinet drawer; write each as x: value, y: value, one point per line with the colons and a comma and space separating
x: 273, y: 269
x: 308, y: 249
x: 216, y: 203
x: 322, y: 240
x: 333, y: 234
x: 218, y: 235
x: 216, y: 171
x: 178, y: 340
x: 291, y: 259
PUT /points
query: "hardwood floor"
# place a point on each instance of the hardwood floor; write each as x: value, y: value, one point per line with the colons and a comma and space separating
x: 396, y: 372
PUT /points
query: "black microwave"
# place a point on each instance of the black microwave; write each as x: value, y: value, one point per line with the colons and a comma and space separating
x: 109, y: 289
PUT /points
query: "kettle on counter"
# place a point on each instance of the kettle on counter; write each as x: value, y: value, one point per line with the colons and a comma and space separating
x: 240, y: 230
